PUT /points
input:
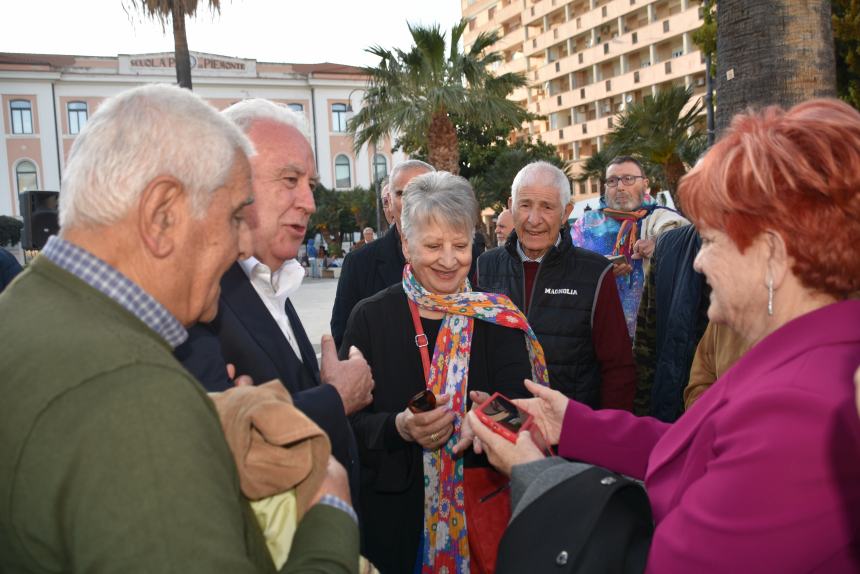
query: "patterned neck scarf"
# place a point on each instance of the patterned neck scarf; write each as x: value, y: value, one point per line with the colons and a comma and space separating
x: 628, y: 233
x: 445, y: 543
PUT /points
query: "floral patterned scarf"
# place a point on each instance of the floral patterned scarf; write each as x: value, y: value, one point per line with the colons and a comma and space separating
x: 445, y: 544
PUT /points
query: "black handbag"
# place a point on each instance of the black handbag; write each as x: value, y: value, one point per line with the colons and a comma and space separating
x: 596, y: 521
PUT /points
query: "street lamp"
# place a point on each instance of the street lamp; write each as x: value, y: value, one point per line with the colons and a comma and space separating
x: 374, y: 180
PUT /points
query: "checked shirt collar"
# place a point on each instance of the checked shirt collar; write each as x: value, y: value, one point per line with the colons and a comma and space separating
x: 104, y: 278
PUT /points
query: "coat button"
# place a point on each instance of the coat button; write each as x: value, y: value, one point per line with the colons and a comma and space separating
x: 561, y: 559
x: 609, y: 480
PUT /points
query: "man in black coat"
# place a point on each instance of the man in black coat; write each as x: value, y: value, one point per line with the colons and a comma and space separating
x: 257, y: 332
x: 378, y: 265
x: 9, y: 268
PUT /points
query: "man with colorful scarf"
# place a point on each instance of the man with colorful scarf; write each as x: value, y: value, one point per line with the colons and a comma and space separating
x: 627, y: 224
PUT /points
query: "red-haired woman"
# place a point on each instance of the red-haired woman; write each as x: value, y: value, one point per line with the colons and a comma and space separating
x: 762, y: 474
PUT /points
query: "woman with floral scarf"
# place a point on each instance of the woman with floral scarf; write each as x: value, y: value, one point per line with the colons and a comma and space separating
x: 412, y: 485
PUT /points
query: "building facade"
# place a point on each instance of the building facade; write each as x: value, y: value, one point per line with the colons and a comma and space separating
x: 46, y: 100
x: 585, y: 60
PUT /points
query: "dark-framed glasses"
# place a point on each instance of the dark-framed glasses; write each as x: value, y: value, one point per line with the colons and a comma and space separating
x: 625, y: 179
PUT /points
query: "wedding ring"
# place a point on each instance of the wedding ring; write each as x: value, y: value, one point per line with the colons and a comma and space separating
x: 434, y: 437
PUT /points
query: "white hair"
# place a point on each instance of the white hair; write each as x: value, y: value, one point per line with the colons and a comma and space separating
x: 139, y: 135
x: 440, y: 197
x: 409, y: 165
x: 542, y: 172
x: 245, y: 113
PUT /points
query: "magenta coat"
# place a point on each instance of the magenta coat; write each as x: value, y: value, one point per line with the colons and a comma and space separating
x: 762, y: 474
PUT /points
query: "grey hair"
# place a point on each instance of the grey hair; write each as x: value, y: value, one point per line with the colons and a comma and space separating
x: 409, y: 165
x: 246, y: 112
x: 139, y: 135
x: 440, y: 197
x: 543, y: 172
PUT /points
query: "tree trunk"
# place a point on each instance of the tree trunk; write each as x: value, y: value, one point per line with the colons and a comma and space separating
x: 443, y: 151
x: 674, y: 170
x: 772, y: 52
x: 180, y: 50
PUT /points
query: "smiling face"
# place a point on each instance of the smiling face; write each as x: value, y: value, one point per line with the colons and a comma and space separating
x: 538, y: 216
x: 737, y: 281
x: 284, y: 177
x: 440, y: 256
x: 215, y: 241
x: 625, y: 197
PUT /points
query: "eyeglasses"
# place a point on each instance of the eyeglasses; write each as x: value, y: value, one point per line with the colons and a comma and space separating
x: 625, y: 179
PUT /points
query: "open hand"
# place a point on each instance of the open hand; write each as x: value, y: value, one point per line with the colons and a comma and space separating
x: 547, y: 407
x: 351, y: 378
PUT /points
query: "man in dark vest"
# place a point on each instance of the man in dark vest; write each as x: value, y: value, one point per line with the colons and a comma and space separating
x: 379, y: 265
x: 567, y: 293
x: 257, y: 331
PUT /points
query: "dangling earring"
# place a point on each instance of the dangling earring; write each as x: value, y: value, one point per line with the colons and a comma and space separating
x: 770, y: 296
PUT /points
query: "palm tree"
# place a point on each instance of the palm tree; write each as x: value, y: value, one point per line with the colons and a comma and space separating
x: 175, y: 11
x: 595, y: 167
x: 772, y: 52
x: 416, y: 93
x: 665, y: 131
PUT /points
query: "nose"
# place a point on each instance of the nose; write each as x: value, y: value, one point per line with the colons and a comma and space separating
x: 246, y: 247
x: 697, y: 262
x: 305, y: 198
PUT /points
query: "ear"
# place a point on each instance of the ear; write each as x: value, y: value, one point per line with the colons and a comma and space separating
x: 162, y: 210
x: 404, y: 245
x: 566, y: 214
x: 778, y: 260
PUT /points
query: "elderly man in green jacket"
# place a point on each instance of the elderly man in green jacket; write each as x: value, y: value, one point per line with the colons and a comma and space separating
x: 112, y: 457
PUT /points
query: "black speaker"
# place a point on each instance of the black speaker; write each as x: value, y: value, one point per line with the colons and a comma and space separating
x: 39, y: 210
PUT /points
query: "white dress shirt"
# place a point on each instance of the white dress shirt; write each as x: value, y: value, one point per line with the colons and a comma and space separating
x: 274, y: 289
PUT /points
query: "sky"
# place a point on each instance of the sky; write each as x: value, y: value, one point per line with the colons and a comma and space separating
x: 295, y: 31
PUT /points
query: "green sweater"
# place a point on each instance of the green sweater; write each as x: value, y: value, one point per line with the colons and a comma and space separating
x: 112, y: 457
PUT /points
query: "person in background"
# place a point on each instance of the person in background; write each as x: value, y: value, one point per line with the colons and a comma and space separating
x: 474, y: 340
x: 567, y: 293
x: 386, y: 204
x: 368, y: 271
x: 504, y: 226
x: 627, y: 224
x: 763, y: 473
x: 368, y: 234
x: 113, y: 455
x: 9, y: 268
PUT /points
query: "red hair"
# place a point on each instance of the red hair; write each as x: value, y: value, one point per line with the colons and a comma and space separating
x: 796, y: 173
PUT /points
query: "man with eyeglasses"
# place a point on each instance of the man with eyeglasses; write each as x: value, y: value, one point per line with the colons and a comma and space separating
x: 625, y: 229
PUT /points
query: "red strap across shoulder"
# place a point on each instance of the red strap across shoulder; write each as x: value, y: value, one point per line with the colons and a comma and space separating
x: 420, y: 338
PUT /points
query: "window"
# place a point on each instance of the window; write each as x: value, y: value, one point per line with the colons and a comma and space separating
x: 342, y: 176
x: 296, y: 107
x: 77, y: 116
x: 338, y: 118
x: 22, y: 116
x: 635, y: 38
x: 25, y: 174
x: 380, y: 167
x: 668, y: 66
x: 665, y: 25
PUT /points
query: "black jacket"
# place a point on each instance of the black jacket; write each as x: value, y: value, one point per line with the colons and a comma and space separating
x: 245, y: 334
x: 392, y: 472
x: 681, y: 307
x: 366, y: 271
x: 561, y: 308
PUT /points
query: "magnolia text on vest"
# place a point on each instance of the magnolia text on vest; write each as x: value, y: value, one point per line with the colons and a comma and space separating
x: 549, y: 291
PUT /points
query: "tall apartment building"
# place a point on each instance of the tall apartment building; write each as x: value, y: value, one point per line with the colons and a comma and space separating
x: 46, y: 100
x: 585, y: 60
